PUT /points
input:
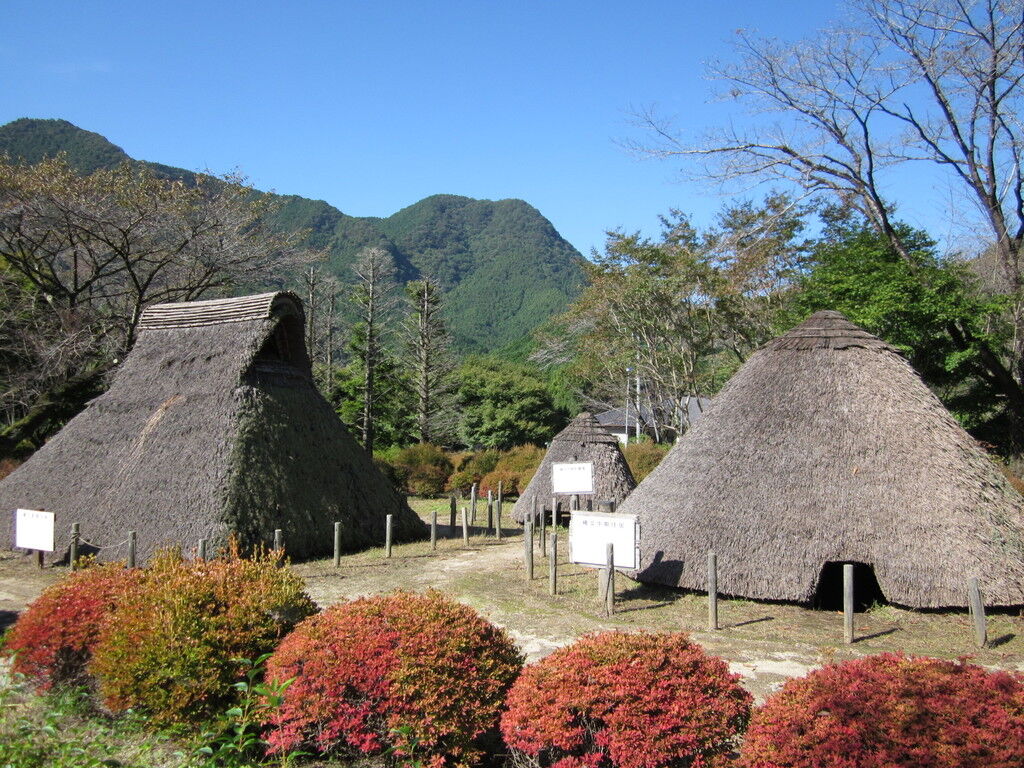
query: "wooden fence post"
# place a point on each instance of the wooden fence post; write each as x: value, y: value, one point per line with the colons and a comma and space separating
x: 433, y: 529
x: 977, y: 612
x: 75, y: 535
x: 201, y: 550
x: 848, y: 603
x: 712, y: 591
x: 472, y: 504
x: 490, y: 512
x: 609, y: 589
x: 451, y: 516
x: 132, y: 542
x: 388, y: 530
x: 337, y: 544
x: 553, y: 564
x: 528, y: 549
x: 465, y: 528
x: 543, y: 534
x: 497, y: 516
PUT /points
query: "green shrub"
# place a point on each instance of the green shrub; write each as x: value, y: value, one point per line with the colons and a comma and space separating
x: 424, y: 468
x: 891, y: 710
x: 626, y: 700
x: 419, y: 677
x: 643, y: 457
x: 472, y: 470
x: 171, y: 649
x: 53, y: 639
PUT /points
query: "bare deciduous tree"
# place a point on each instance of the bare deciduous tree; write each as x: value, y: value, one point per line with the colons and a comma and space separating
x: 428, y: 343
x: 917, y: 80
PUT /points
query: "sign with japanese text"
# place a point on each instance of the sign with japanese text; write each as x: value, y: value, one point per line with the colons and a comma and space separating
x: 590, y: 533
x: 33, y: 529
x: 572, y: 478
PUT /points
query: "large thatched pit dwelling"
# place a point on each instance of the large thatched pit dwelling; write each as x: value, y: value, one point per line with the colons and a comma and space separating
x: 583, y: 440
x: 211, y: 426
x: 827, y: 448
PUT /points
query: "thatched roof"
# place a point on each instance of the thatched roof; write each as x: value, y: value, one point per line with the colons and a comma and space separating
x: 211, y: 425
x: 583, y: 440
x: 827, y: 447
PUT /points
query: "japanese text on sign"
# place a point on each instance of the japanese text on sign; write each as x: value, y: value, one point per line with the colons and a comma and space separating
x: 590, y: 533
x: 572, y: 478
x: 33, y: 529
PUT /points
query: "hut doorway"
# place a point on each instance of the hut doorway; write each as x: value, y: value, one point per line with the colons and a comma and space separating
x: 829, y: 594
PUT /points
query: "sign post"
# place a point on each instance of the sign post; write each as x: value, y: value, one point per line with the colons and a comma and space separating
x: 590, y: 533
x: 33, y: 529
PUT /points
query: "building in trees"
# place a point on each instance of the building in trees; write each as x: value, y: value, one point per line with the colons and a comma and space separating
x: 583, y: 440
x: 212, y: 426
x: 826, y: 448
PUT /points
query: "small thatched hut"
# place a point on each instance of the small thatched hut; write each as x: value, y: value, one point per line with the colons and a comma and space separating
x: 211, y: 426
x: 826, y: 448
x: 583, y: 440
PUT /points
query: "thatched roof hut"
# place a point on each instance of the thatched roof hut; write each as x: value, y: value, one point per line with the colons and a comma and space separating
x: 212, y: 425
x: 826, y: 447
x: 583, y: 440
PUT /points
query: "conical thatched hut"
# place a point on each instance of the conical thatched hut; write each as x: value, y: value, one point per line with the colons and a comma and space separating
x: 826, y: 447
x: 212, y: 425
x: 583, y: 440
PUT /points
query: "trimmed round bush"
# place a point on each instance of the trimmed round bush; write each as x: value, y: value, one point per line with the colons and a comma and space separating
x: 418, y: 676
x: 171, y: 649
x: 54, y: 637
x: 424, y: 468
x: 891, y: 710
x: 628, y: 700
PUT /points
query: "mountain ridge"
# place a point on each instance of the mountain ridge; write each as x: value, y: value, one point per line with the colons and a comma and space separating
x: 502, y: 265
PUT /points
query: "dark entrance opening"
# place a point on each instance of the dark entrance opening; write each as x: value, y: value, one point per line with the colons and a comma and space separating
x: 829, y: 594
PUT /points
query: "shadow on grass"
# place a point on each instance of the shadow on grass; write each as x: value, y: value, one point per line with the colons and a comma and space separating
x: 749, y: 621
x: 873, y: 635
x: 7, y: 619
x: 995, y: 643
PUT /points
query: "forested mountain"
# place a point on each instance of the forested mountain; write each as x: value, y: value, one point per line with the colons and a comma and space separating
x: 503, y: 267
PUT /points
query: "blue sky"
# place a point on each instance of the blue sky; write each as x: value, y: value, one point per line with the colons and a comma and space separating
x: 372, y: 106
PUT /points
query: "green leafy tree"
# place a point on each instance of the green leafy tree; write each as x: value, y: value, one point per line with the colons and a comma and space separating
x: 504, y: 404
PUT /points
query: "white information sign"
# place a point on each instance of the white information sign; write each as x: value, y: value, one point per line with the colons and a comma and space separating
x: 33, y: 529
x: 590, y: 533
x: 572, y: 478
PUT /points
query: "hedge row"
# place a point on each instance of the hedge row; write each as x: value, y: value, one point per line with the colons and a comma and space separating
x: 422, y: 679
x: 427, y: 470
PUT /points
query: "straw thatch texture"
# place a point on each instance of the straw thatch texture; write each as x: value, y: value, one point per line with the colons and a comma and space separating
x: 583, y: 440
x: 212, y: 425
x: 827, y: 447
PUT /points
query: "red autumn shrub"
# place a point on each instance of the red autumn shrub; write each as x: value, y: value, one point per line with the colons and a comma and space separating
x: 424, y: 469
x: 54, y: 638
x: 626, y: 700
x: 419, y: 676
x: 170, y: 650
x: 891, y: 710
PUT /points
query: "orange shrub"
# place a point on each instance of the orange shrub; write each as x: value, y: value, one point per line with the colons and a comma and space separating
x: 54, y: 638
x: 643, y: 457
x: 170, y: 649
x: 424, y: 469
x: 626, y: 700
x: 891, y: 710
x: 416, y: 676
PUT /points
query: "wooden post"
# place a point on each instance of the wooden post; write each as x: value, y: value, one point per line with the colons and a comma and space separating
x: 132, y: 541
x: 433, y: 529
x: 609, y: 590
x: 848, y: 603
x: 472, y: 504
x: 39, y: 558
x: 490, y: 512
x: 712, y: 591
x: 75, y: 535
x: 451, y: 515
x: 278, y: 539
x: 543, y: 534
x: 533, y: 509
x: 388, y: 529
x: 465, y: 527
x: 528, y: 549
x: 337, y: 544
x: 497, y: 513
x: 553, y: 564
x: 201, y: 550
x: 977, y: 612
